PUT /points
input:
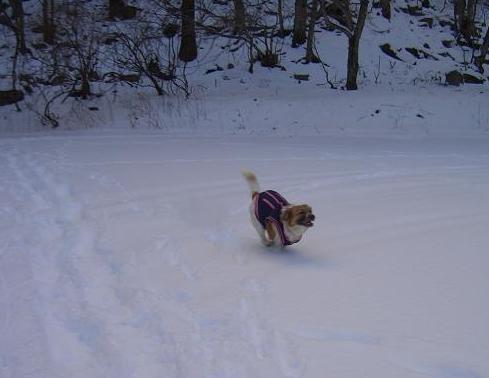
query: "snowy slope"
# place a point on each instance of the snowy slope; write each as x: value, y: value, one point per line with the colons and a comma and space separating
x: 130, y: 254
x: 408, y: 92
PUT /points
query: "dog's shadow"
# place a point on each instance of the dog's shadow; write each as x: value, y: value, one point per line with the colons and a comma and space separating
x: 293, y: 256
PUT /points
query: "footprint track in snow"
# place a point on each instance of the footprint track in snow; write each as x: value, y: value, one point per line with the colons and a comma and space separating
x: 61, y: 245
x: 260, y: 331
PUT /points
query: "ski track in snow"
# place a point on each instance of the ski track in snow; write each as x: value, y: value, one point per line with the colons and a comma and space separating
x: 105, y: 275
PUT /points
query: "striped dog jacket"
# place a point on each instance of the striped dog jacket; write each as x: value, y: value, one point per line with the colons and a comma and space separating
x: 268, y: 206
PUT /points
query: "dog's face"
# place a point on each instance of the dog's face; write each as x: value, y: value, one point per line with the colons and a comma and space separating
x: 299, y: 215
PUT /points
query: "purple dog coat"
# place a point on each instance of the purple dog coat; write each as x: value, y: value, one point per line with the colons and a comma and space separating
x: 268, y: 206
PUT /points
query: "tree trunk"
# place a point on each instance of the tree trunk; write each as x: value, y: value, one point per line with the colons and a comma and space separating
x: 385, y: 6
x: 471, y: 30
x: 239, y: 17
x: 353, y: 45
x: 310, y: 57
x: 48, y: 28
x: 471, y: 8
x: 18, y: 17
x: 280, y: 16
x: 464, y: 14
x: 466, y: 20
x: 458, y: 14
x: 188, y: 44
x: 481, y: 59
x: 85, y: 86
x: 300, y: 18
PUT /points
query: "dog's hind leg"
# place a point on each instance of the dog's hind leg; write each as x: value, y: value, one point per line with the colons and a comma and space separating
x: 259, y: 228
x: 270, y: 232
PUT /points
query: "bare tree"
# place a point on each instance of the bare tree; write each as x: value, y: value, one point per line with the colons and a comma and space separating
x: 300, y: 18
x: 464, y: 15
x: 385, y: 7
x: 353, y: 45
x: 18, y: 18
x: 353, y: 30
x: 84, y: 43
x: 310, y: 57
x: 239, y: 17
x: 280, y: 18
x: 263, y: 37
x: 188, y: 44
x: 71, y: 62
x: 12, y: 16
x: 137, y: 52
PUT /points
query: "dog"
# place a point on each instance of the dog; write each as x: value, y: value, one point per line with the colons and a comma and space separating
x: 276, y: 221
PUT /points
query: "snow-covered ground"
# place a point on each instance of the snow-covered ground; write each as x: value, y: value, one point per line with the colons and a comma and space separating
x: 125, y: 245
x: 130, y: 254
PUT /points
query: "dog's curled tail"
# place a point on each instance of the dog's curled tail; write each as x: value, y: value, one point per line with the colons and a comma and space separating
x: 252, y: 182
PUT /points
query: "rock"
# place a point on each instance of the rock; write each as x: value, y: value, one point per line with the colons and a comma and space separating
x: 427, y: 21
x: 420, y: 54
x: 448, y: 44
x: 59, y: 79
x: 448, y: 23
x: 471, y: 79
x: 10, y: 97
x: 39, y: 46
x: 130, y: 78
x: 301, y: 77
x: 454, y: 78
x: 413, y: 10
x: 446, y: 55
x: 387, y: 49
x: 211, y: 70
x: 414, y: 52
x: 110, y: 40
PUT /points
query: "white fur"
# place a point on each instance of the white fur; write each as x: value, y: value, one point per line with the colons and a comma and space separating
x: 252, y: 181
x: 293, y: 233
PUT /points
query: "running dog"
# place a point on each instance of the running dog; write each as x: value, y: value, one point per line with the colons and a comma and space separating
x: 276, y: 220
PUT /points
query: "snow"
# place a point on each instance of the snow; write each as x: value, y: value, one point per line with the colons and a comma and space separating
x: 126, y: 248
x: 129, y: 253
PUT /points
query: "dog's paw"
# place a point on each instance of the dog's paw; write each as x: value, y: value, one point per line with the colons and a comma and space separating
x: 266, y: 242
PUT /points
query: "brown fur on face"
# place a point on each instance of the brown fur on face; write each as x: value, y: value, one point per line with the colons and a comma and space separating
x: 299, y: 215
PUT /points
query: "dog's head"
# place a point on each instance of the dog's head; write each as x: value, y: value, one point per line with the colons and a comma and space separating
x: 299, y: 215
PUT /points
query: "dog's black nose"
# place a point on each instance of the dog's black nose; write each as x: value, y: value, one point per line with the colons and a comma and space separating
x: 312, y: 217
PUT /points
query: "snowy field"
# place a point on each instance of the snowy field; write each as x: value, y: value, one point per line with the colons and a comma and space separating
x: 130, y: 254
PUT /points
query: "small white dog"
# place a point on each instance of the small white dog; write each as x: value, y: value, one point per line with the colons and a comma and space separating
x: 274, y: 218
